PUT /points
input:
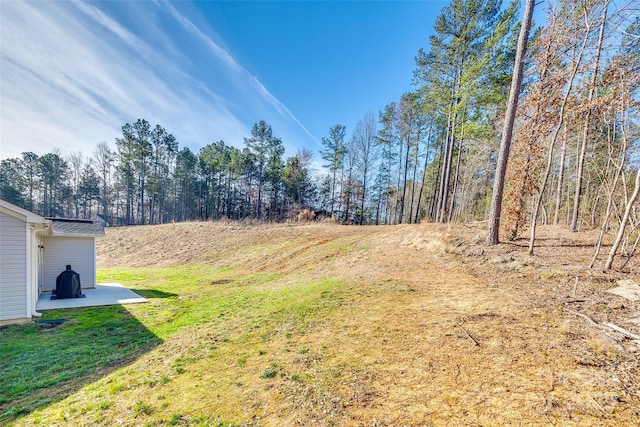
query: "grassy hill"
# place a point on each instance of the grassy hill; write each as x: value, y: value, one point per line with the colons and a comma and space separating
x: 320, y: 324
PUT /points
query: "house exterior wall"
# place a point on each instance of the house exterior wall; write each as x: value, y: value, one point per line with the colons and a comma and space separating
x: 13, y: 269
x: 79, y: 252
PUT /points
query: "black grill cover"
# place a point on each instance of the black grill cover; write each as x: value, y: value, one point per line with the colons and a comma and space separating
x: 68, y: 285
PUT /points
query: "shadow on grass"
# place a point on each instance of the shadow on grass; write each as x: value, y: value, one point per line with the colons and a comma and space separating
x: 154, y: 293
x: 42, y: 364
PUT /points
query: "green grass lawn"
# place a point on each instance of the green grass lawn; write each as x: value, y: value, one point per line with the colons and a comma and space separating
x: 305, y: 330
x: 196, y: 315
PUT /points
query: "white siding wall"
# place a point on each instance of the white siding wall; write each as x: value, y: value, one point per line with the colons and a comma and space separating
x: 59, y: 251
x: 13, y: 268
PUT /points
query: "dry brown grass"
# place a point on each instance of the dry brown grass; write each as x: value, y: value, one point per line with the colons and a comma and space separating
x: 398, y: 353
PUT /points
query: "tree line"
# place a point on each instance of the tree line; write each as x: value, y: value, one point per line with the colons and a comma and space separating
x: 431, y: 155
x: 148, y: 179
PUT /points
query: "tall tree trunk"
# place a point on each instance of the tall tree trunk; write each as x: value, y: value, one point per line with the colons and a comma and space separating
x: 587, y: 120
x: 333, y: 190
x: 397, y: 195
x: 364, y: 192
x: 554, y: 138
x: 563, y: 156
x: 341, y: 188
x: 457, y: 177
x: 404, y: 180
x: 413, y: 189
x: 451, y: 143
x: 259, y: 203
x: 507, y: 131
x: 424, y: 175
x: 388, y: 188
x: 444, y: 171
x: 433, y: 204
x: 623, y: 223
x: 607, y: 215
x: 415, y: 171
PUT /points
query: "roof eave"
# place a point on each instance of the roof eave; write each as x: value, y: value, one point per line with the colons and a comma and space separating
x: 28, y: 216
x: 55, y: 234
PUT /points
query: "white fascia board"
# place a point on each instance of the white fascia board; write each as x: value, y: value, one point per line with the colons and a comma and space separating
x: 23, y: 214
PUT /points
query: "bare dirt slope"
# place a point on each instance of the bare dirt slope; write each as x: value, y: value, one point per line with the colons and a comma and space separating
x: 472, y: 335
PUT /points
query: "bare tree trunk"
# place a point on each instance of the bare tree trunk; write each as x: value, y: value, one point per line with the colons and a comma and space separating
x: 563, y: 156
x: 341, y: 188
x: 507, y: 131
x: 457, y: 177
x: 587, y: 120
x: 333, y: 190
x: 404, y: 182
x: 397, y: 198
x: 444, y: 170
x: 623, y: 223
x: 433, y: 203
x: 554, y: 138
x: 631, y: 252
x: 607, y: 215
x: 415, y: 171
x: 424, y: 175
x: 442, y: 215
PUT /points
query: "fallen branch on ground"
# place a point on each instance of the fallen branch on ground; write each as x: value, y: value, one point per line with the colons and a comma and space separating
x: 468, y: 334
x: 622, y: 331
x: 584, y: 316
x: 616, y: 328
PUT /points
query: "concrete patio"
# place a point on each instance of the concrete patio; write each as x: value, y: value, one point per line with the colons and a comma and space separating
x: 103, y: 294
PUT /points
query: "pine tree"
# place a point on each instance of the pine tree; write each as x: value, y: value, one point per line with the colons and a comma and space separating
x: 512, y: 105
x: 333, y: 154
x: 262, y: 145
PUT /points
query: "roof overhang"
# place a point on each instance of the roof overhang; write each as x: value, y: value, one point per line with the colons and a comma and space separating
x: 67, y: 227
x: 20, y: 213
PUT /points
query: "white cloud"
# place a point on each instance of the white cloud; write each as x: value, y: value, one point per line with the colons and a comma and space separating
x: 228, y: 59
x: 73, y: 74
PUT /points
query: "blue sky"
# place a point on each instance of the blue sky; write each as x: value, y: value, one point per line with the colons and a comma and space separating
x: 73, y: 73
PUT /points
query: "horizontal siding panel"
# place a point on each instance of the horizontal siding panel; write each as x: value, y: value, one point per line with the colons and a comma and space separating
x: 79, y: 252
x: 13, y: 227
x: 13, y: 274
x: 18, y: 264
x: 7, y: 221
x: 13, y: 288
x: 13, y: 267
x: 7, y: 260
x: 13, y: 243
x: 17, y: 247
x: 13, y: 301
x: 9, y: 291
x: 14, y: 305
x: 21, y: 253
x: 10, y: 242
x: 12, y: 314
x: 12, y: 278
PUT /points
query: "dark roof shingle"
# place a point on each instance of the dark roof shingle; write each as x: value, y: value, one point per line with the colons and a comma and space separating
x: 81, y: 227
